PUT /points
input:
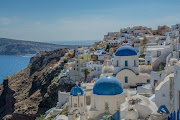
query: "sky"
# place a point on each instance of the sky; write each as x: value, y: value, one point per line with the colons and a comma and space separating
x: 62, y: 20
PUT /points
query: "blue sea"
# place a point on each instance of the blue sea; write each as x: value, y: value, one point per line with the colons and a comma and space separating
x: 12, y: 64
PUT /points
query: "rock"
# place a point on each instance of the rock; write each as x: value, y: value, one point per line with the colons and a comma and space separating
x: 30, y: 92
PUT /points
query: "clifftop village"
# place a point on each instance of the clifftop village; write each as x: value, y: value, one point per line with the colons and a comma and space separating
x: 132, y: 74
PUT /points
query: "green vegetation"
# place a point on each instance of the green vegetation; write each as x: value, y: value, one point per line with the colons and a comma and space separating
x: 142, y: 56
x: 65, y: 60
x: 86, y: 73
x: 42, y: 117
x: 107, y: 48
x: 161, y: 67
x: 106, y: 109
x: 56, y: 79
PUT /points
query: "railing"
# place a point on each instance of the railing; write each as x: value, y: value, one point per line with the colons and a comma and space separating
x: 173, y: 116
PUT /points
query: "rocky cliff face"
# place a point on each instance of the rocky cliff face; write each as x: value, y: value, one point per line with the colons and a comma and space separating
x: 31, y: 92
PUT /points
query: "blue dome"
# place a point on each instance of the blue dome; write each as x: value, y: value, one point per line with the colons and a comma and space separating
x: 107, y: 85
x: 125, y: 51
x: 76, y: 91
x: 99, y: 49
x: 103, y: 52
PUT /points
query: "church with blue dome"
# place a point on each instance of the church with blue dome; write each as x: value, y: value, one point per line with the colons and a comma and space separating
x: 107, y: 91
x: 126, y: 58
x: 126, y: 67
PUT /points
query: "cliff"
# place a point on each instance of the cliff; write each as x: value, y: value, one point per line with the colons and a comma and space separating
x: 30, y: 92
x: 21, y: 47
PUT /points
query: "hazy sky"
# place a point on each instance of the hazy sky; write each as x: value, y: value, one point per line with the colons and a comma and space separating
x: 59, y: 20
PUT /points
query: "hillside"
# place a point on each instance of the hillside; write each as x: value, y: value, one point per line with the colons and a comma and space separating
x: 21, y: 47
x: 30, y: 92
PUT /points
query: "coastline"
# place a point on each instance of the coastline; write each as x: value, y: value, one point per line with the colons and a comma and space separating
x: 10, y: 64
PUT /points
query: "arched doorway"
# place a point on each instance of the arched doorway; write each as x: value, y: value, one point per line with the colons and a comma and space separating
x: 76, y: 115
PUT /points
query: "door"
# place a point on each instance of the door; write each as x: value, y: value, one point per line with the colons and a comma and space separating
x: 126, y: 63
x: 155, y: 83
x: 158, y: 53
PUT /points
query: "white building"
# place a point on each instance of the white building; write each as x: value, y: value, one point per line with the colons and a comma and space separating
x: 101, y: 56
x: 154, y: 52
x: 126, y: 67
x: 126, y: 58
x: 158, y: 76
x: 107, y: 91
x: 163, y: 93
x: 177, y: 87
x: 63, y: 97
x: 137, y: 107
x: 81, y: 50
x: 95, y: 69
x: 175, y: 27
x: 137, y: 47
x: 77, y: 104
x: 75, y: 71
x: 98, y: 51
x: 113, y: 42
x: 64, y: 73
x: 127, y: 30
x: 107, y: 96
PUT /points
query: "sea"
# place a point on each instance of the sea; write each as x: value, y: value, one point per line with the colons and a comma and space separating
x: 12, y: 64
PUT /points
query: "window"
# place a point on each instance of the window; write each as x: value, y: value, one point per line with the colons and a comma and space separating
x: 126, y: 63
x: 158, y: 53
x: 126, y: 79
x: 148, y: 80
x: 134, y: 62
x: 94, y: 103
x: 117, y: 63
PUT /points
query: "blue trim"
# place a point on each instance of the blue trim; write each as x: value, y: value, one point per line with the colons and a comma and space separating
x: 126, y: 79
x: 178, y: 115
x: 126, y: 63
x: 116, y: 115
x: 160, y: 110
x: 103, y: 52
